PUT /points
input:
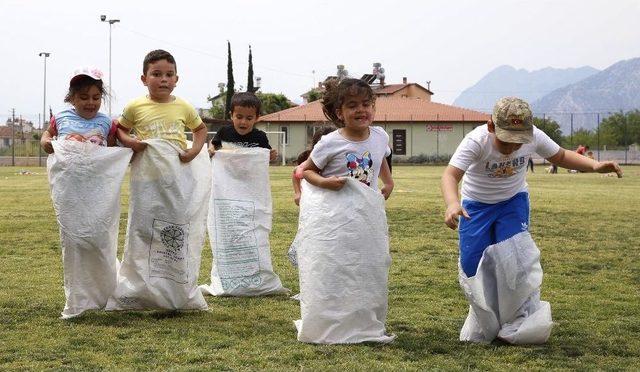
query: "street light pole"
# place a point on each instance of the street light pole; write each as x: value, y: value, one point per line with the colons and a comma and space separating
x: 44, y: 102
x: 44, y: 99
x: 103, y: 18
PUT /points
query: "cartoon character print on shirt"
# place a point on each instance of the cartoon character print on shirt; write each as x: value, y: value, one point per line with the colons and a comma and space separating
x: 92, y: 136
x: 360, y: 168
x: 505, y: 167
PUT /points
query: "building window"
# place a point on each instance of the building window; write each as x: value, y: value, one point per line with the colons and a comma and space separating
x: 399, y: 141
x: 286, y: 134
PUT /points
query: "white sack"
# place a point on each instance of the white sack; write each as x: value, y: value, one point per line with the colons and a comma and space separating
x: 239, y: 224
x: 343, y: 262
x: 85, y: 182
x: 165, y: 231
x: 504, y: 295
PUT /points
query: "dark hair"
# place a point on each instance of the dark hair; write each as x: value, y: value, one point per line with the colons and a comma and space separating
x: 81, y: 84
x: 337, y: 92
x: 246, y: 99
x: 316, y: 137
x: 155, y: 56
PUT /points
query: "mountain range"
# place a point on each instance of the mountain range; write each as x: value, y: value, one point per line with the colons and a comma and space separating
x: 529, y: 85
x: 574, y: 97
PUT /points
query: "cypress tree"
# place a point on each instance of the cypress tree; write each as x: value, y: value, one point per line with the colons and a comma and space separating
x: 230, y: 82
x: 250, y: 87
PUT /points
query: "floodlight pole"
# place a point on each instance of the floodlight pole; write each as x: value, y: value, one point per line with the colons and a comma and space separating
x: 103, y: 18
x: 44, y: 103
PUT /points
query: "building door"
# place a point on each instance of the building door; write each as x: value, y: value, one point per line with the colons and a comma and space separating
x: 399, y: 141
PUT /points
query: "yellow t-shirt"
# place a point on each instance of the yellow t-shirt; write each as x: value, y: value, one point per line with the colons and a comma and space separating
x: 150, y: 119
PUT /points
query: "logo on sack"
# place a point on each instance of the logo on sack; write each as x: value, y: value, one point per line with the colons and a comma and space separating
x: 172, y: 237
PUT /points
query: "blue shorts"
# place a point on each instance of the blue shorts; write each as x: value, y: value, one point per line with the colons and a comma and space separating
x: 490, y: 224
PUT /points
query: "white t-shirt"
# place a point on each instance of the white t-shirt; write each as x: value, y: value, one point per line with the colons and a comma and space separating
x: 491, y: 177
x: 338, y: 156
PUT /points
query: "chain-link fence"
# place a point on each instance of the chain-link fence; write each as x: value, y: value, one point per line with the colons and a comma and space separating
x: 21, y: 152
x: 606, y: 135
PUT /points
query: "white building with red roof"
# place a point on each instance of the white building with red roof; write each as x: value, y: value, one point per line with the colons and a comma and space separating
x: 416, y: 125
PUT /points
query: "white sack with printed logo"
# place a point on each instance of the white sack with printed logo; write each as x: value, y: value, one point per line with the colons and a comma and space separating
x: 165, y: 231
x: 239, y: 224
x: 504, y: 295
x: 343, y: 263
x: 85, y: 182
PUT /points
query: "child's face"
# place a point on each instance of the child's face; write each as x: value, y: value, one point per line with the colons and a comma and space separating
x: 506, y: 148
x: 87, y: 102
x: 160, y: 79
x: 244, y: 118
x: 357, y: 112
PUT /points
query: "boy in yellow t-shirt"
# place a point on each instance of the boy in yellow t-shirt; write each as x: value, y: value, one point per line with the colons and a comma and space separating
x: 160, y: 114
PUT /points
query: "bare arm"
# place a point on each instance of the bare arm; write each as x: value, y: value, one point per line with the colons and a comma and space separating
x: 313, y: 176
x: 199, y: 138
x: 111, y: 139
x: 128, y: 141
x: 573, y: 160
x: 297, y: 191
x: 299, y: 170
x: 449, y: 185
x: 45, y: 142
x: 387, y: 180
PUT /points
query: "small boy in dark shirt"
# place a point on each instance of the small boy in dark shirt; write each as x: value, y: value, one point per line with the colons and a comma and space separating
x: 245, y: 111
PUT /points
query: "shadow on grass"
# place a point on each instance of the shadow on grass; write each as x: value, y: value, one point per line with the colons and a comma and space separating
x: 127, y: 318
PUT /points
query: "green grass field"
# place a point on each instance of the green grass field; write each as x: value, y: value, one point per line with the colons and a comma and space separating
x: 585, y: 225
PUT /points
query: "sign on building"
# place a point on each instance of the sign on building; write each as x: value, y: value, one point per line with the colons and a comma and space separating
x: 439, y: 128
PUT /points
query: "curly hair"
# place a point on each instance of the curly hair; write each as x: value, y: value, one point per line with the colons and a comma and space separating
x: 337, y: 92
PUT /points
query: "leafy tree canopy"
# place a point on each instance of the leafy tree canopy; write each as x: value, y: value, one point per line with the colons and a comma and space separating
x: 271, y: 102
x: 550, y: 127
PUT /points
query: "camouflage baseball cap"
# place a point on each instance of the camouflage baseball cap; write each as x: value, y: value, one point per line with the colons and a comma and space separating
x: 513, y: 120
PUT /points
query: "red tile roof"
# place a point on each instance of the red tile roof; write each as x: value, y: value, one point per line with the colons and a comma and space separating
x: 387, y: 109
x: 5, y: 132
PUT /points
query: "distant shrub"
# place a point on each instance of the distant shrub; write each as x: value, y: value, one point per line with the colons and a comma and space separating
x: 424, y: 159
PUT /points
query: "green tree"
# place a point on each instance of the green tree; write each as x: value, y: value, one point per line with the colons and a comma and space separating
x: 314, y: 95
x: 250, y: 87
x: 550, y: 127
x: 273, y: 102
x: 217, y: 105
x: 622, y: 128
x: 581, y: 136
x: 230, y: 82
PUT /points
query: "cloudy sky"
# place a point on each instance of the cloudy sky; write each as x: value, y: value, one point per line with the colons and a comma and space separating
x: 452, y: 43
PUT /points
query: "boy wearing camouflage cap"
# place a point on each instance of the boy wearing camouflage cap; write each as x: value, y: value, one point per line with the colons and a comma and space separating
x: 492, y: 162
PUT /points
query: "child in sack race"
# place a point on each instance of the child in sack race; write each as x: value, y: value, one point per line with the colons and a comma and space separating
x: 491, y: 162
x: 85, y: 178
x: 350, y: 158
x: 169, y: 186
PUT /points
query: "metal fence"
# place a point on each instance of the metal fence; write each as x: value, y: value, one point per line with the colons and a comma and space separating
x: 28, y: 153
x: 24, y: 153
x: 609, y: 135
